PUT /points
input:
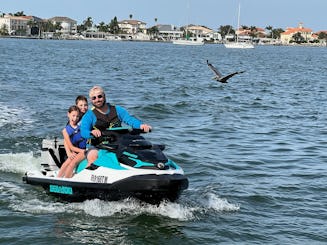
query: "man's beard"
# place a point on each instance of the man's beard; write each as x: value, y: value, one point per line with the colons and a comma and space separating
x: 102, y: 105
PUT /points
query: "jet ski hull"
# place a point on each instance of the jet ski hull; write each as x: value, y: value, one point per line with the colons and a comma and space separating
x: 127, y: 166
x: 149, y: 188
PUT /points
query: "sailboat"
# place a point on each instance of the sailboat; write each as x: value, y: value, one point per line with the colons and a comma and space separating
x: 238, y: 44
x: 189, y: 40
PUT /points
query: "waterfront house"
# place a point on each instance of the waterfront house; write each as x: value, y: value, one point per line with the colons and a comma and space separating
x: 18, y: 25
x: 68, y: 25
x: 132, y: 26
x: 204, y: 32
x: 198, y: 30
x: 169, y: 32
x: 287, y: 36
x: 249, y: 32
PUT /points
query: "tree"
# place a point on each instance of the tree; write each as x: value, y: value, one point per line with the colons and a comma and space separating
x: 276, y: 32
x: 103, y: 27
x: 225, y: 30
x: 88, y: 23
x: 113, y: 26
x: 130, y: 16
x: 253, y: 32
x: 57, y: 26
x: 153, y: 31
x: 4, y: 30
x: 298, y: 38
x: 34, y: 26
x: 48, y: 26
x: 21, y: 13
x: 270, y: 28
x: 244, y: 27
x: 322, y: 35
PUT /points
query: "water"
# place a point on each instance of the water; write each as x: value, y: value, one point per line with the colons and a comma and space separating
x: 254, y: 149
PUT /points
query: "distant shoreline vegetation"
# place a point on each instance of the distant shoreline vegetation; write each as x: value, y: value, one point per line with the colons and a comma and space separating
x: 64, y: 28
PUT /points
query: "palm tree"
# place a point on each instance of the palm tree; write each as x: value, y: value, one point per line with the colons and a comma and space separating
x: 155, y: 30
x: 21, y: 13
x: 244, y: 27
x: 253, y: 32
x: 277, y: 32
x: 322, y: 35
x: 270, y: 28
x: 225, y: 30
x: 103, y: 27
x: 298, y: 38
x: 113, y: 26
x: 88, y: 23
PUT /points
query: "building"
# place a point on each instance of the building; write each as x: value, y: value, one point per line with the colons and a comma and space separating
x: 169, y: 32
x: 198, y: 30
x: 248, y: 32
x: 204, y: 32
x: 18, y: 25
x: 68, y: 25
x: 287, y: 36
x: 132, y: 26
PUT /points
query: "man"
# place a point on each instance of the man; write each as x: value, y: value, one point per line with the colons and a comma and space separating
x: 103, y: 116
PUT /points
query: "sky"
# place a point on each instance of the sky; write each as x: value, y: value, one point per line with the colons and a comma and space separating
x: 210, y: 13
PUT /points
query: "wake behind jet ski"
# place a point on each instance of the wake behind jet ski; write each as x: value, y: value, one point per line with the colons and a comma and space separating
x: 128, y: 166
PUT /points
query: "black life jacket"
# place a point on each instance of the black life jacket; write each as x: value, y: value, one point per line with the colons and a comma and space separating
x: 105, y: 121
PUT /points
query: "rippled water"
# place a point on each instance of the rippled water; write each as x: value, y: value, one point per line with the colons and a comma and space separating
x: 254, y: 149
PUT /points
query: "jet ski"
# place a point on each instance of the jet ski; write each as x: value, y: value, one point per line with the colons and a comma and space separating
x: 128, y: 166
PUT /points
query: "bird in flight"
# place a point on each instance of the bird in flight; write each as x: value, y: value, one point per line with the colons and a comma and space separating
x: 219, y: 77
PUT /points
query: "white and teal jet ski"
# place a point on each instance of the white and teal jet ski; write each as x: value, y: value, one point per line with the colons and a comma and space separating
x: 128, y: 166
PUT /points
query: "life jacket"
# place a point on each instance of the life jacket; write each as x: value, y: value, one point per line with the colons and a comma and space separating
x: 75, y: 136
x: 105, y: 121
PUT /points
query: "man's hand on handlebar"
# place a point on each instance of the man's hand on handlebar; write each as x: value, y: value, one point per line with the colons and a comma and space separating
x: 146, y: 128
x: 96, y: 133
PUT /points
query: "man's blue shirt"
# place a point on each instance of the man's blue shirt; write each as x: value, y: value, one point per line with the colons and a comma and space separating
x: 89, y: 119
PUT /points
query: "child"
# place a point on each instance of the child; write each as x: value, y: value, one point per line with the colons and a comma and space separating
x: 81, y: 102
x: 74, y: 143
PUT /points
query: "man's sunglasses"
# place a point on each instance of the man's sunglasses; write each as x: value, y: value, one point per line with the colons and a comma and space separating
x: 99, y: 97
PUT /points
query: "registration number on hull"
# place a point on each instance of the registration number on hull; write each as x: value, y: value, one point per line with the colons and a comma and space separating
x: 99, y: 179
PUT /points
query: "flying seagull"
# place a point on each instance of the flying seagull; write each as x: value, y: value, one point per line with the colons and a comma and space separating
x: 219, y: 77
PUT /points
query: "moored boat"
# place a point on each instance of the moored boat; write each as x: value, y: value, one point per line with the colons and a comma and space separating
x: 239, y: 44
x: 190, y: 41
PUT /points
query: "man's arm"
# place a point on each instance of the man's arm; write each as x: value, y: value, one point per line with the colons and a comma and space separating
x: 87, y: 124
x: 125, y: 117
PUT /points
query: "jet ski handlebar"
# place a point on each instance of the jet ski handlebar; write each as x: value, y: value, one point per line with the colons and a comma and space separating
x: 109, y: 138
x: 122, y: 130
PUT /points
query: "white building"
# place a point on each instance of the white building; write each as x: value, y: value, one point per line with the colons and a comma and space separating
x: 169, y: 32
x: 69, y: 26
x: 16, y: 25
x: 132, y: 26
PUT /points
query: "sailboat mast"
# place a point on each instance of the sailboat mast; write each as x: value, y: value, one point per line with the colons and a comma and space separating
x: 188, y: 19
x: 238, y: 21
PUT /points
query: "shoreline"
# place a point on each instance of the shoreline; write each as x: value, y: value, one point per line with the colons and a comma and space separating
x: 160, y: 41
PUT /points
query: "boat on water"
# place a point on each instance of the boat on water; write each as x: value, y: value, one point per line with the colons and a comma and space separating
x: 127, y: 166
x: 239, y: 44
x: 190, y: 41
